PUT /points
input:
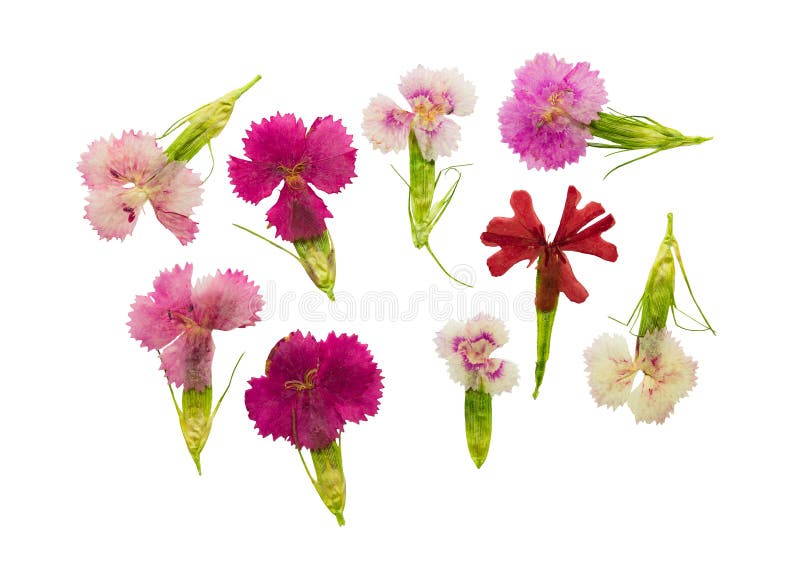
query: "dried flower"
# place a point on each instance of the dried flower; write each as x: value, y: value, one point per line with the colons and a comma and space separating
x: 555, y: 108
x: 176, y: 319
x: 310, y: 389
x: 467, y: 347
x: 522, y: 237
x: 125, y: 173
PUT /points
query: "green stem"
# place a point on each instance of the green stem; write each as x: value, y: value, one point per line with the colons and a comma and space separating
x: 544, y: 330
x: 272, y: 243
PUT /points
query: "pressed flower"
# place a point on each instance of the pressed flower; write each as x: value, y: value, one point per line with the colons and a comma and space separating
x: 669, y: 374
x: 176, y: 319
x: 522, y: 238
x: 281, y: 151
x: 555, y: 108
x: 467, y: 347
x: 310, y: 389
x: 432, y: 95
x: 124, y: 173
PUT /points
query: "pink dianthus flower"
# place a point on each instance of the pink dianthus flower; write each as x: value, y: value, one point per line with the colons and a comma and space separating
x: 311, y: 388
x: 177, y: 319
x: 546, y: 120
x: 432, y: 95
x: 280, y: 150
x: 124, y: 173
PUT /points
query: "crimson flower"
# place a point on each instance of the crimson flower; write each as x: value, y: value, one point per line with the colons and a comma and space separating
x: 522, y: 237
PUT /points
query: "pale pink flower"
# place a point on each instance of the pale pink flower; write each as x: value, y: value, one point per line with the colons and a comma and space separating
x: 177, y: 319
x: 124, y: 173
x: 669, y: 374
x: 467, y: 347
x: 432, y: 95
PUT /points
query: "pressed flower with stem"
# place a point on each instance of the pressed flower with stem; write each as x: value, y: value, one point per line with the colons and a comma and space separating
x: 555, y: 109
x: 428, y: 132
x: 467, y: 347
x: 176, y: 321
x: 522, y: 237
x: 668, y: 374
x: 280, y: 150
x: 309, y: 391
x: 124, y: 173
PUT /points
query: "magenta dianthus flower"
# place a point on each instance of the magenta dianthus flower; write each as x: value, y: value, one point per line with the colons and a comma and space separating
x: 311, y: 388
x: 176, y: 319
x: 546, y: 119
x: 280, y: 150
x: 125, y: 173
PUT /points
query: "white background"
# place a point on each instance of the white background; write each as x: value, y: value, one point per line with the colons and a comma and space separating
x: 97, y: 484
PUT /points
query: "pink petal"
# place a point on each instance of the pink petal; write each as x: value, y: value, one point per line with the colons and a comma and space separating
x: 159, y: 317
x: 386, y: 124
x: 500, y: 376
x: 349, y: 375
x: 456, y: 91
x: 113, y: 214
x: 176, y: 190
x: 611, y: 370
x: 253, y: 181
x: 331, y: 156
x: 440, y: 141
x: 279, y: 141
x: 226, y: 301
x: 187, y: 361
x: 111, y: 164
x: 298, y: 214
x: 588, y: 93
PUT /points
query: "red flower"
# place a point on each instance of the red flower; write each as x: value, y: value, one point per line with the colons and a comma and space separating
x: 522, y: 237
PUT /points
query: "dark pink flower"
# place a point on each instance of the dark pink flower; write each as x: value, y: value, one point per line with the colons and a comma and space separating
x: 177, y: 319
x: 311, y: 388
x: 280, y: 150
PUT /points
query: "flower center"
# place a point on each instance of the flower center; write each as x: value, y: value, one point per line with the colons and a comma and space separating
x: 307, y: 383
x: 293, y: 176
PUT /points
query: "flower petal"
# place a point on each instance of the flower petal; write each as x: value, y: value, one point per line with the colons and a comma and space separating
x: 555, y: 275
x: 155, y: 319
x: 253, y: 181
x: 298, y: 214
x: 386, y: 124
x: 669, y: 376
x: 520, y: 237
x: 611, y: 370
x: 175, y: 191
x: 349, y: 377
x: 500, y: 376
x: 226, y: 301
x: 456, y: 91
x: 331, y: 156
x: 570, y: 238
x: 440, y: 140
x: 187, y: 361
x: 113, y: 213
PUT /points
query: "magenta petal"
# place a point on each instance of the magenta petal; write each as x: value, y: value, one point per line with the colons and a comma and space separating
x: 298, y: 214
x: 348, y: 372
x: 331, y: 156
x: 187, y: 361
x: 155, y: 318
x: 253, y: 181
x: 226, y: 301
x: 279, y: 141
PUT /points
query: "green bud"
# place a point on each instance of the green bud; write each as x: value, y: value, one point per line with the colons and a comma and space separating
x: 330, y: 483
x: 478, y: 424
x: 318, y: 258
x: 659, y: 291
x: 195, y: 419
x: 204, y: 124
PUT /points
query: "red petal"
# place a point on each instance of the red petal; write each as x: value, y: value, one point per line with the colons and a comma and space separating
x: 569, y: 236
x: 520, y: 237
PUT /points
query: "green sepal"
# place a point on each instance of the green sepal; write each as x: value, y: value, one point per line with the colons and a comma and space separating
x: 544, y: 330
x: 318, y: 258
x: 204, y: 124
x: 422, y: 183
x: 195, y: 418
x: 478, y: 424
x: 330, y: 483
x: 624, y: 133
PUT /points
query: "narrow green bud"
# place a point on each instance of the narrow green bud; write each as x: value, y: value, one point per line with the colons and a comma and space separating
x: 422, y: 175
x: 204, y: 124
x: 659, y: 291
x: 195, y: 419
x: 478, y: 424
x: 330, y: 483
x: 318, y: 258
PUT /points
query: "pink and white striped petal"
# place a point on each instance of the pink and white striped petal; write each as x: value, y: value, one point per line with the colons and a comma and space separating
x: 441, y: 140
x: 386, y: 124
x: 611, y: 370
